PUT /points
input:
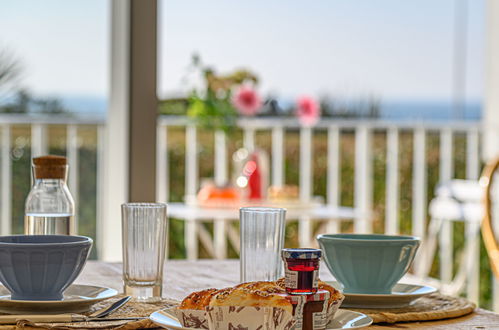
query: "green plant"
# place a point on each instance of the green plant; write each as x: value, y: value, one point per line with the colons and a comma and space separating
x: 211, y: 105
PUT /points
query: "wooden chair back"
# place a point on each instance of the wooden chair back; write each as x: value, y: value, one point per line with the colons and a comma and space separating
x: 489, y: 232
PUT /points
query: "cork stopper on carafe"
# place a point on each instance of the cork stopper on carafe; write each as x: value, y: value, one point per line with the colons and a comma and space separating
x: 50, y: 167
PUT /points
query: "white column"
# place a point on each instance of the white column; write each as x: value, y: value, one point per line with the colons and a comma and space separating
x: 115, y: 176
x: 490, y: 118
x: 130, y: 164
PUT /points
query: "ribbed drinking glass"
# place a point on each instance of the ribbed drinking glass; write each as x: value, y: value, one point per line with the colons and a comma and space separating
x: 145, y: 232
x: 262, y: 238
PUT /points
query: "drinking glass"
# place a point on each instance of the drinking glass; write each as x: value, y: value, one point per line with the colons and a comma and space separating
x: 144, y: 231
x: 262, y: 238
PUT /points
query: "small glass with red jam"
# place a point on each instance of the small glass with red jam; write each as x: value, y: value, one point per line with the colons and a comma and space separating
x: 301, y: 268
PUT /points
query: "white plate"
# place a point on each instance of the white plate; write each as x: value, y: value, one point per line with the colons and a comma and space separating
x: 402, y: 295
x: 344, y: 319
x: 77, y: 298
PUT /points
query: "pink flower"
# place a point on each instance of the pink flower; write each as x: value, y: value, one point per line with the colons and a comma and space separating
x: 307, y: 111
x: 247, y: 101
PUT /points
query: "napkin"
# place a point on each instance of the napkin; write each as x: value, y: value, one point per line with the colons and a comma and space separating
x: 131, y: 309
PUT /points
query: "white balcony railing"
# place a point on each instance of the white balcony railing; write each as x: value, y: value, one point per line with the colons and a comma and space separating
x: 35, y: 133
x: 364, y: 132
x: 38, y: 128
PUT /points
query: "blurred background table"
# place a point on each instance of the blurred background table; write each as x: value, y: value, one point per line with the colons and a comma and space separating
x: 223, y: 230
x: 182, y: 277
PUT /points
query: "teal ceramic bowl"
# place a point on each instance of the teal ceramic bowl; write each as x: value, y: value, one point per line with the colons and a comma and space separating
x: 369, y: 264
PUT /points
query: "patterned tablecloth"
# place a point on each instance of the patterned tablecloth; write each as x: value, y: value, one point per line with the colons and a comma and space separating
x: 183, y: 277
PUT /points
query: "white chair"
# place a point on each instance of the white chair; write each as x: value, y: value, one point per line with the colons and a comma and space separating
x: 455, y: 201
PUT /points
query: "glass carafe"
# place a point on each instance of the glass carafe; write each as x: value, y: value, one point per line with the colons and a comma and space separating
x: 49, y: 206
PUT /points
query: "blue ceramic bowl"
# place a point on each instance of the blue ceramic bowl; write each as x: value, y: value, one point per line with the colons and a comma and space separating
x: 41, y: 267
x: 369, y: 264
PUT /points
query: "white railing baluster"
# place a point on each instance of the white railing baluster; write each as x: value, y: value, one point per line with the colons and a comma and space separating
x: 191, y: 186
x: 392, y: 181
x: 191, y: 164
x: 6, y: 226
x: 445, y: 237
x: 472, y: 155
x: 495, y: 294
x: 419, y: 184
x: 162, y: 183
x: 333, y: 174
x: 446, y: 254
x: 221, y: 178
x: 446, y: 168
x: 333, y: 162
x: 220, y: 158
x: 419, y: 191
x: 101, y: 189
x: 472, y: 250
x: 472, y: 229
x: 72, y: 154
x: 39, y: 145
x: 363, y: 180
x: 191, y: 239
x: 278, y: 156
x: 305, y: 164
x: 219, y: 238
x: 306, y: 179
x: 249, y: 138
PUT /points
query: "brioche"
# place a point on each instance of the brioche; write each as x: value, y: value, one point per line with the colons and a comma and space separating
x: 270, y: 287
x: 244, y: 296
x: 334, y: 295
x: 198, y: 300
x: 257, y: 294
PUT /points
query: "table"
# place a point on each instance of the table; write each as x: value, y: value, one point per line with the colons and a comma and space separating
x: 183, y: 277
x: 221, y: 217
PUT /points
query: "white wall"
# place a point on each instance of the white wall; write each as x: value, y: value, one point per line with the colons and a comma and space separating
x: 491, y: 104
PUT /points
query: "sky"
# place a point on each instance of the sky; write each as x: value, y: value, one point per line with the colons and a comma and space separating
x: 62, y: 45
x: 392, y: 49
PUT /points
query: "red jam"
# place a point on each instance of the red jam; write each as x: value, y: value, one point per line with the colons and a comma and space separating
x: 310, y: 311
x: 301, y: 270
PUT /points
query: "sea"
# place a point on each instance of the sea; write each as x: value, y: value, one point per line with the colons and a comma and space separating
x: 389, y: 110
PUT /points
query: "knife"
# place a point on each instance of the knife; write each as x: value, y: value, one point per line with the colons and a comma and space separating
x: 106, y: 311
x: 60, y: 318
